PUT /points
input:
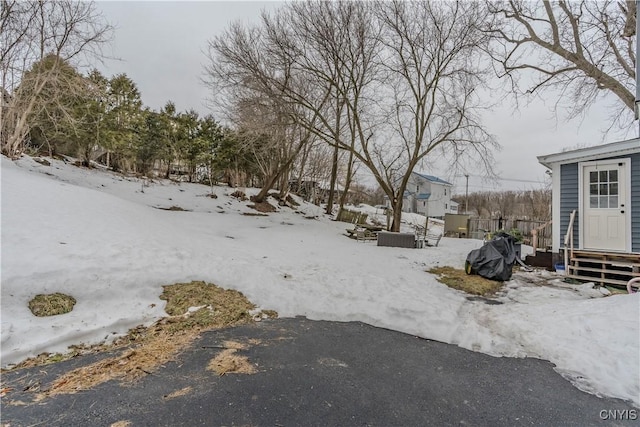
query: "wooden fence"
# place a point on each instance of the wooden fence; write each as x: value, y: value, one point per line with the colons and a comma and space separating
x: 477, y: 226
x: 346, y: 215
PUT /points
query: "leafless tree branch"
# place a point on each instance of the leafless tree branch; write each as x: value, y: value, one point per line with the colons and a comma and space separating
x: 570, y: 46
x: 32, y: 30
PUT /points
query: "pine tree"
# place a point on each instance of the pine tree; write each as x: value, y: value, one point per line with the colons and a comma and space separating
x: 125, y: 119
x: 56, y: 90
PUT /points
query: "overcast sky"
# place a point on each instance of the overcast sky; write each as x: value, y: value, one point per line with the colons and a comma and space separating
x: 160, y: 47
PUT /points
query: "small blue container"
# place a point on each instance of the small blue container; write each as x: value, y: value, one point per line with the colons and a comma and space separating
x: 560, y: 268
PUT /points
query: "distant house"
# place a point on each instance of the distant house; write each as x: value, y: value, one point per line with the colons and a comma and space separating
x: 602, y: 185
x: 428, y: 195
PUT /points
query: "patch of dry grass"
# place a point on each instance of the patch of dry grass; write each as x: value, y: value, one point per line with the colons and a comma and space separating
x: 130, y: 365
x: 264, y: 207
x: 51, y: 304
x: 617, y: 291
x: 175, y: 208
x: 238, y: 194
x: 288, y: 200
x: 220, y: 307
x: 471, y: 284
x: 182, y: 392
x: 271, y: 314
x: 193, y: 307
x: 229, y: 362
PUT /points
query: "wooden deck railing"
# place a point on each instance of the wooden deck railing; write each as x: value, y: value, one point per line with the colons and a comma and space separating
x: 568, y: 241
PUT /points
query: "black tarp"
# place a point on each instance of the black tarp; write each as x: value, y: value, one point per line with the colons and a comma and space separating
x: 495, y: 259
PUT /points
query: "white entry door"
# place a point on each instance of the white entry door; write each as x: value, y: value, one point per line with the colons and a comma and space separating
x: 604, y: 205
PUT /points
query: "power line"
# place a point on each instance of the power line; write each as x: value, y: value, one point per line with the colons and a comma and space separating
x: 504, y: 179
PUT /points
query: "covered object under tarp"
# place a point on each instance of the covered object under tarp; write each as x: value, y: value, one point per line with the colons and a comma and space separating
x: 494, y: 260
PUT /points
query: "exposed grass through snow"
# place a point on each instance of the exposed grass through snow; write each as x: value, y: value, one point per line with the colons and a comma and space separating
x: 471, y: 284
x: 51, y: 304
x: 192, y: 307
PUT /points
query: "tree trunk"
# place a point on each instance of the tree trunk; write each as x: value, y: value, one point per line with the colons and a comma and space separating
x: 268, y: 184
x: 284, y: 186
x: 347, y: 183
x: 332, y: 185
x: 397, y: 214
x: 303, y: 163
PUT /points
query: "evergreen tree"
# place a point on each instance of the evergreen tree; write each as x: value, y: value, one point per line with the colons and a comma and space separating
x: 92, y: 132
x: 170, y: 141
x: 125, y: 120
x: 211, y: 135
x: 152, y: 139
x: 234, y: 159
x: 60, y: 90
x: 191, y: 145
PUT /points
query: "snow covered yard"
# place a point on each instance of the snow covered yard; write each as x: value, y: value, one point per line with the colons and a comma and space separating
x: 108, y: 241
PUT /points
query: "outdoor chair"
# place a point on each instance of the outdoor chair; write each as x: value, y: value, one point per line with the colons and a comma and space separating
x: 430, y: 236
x: 421, y: 236
x: 361, y: 234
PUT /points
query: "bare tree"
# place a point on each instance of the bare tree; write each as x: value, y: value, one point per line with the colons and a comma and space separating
x: 504, y: 203
x: 416, y: 64
x: 388, y: 83
x: 263, y: 63
x: 629, y: 9
x: 582, y: 49
x: 536, y: 204
x: 29, y: 32
x: 332, y: 47
x: 313, y: 170
x: 433, y: 66
x: 529, y: 204
x: 479, y: 203
x: 275, y: 153
x: 272, y: 138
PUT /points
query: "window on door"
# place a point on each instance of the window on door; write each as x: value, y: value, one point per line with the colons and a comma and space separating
x: 603, y: 189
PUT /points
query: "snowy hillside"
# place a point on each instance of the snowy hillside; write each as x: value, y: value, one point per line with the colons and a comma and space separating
x: 109, y: 242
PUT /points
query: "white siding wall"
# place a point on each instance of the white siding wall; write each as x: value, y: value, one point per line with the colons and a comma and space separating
x: 438, y: 203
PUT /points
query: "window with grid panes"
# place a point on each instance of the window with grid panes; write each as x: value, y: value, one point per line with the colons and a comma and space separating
x: 603, y: 189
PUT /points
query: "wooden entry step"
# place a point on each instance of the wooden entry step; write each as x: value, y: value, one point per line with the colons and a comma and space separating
x: 604, y: 268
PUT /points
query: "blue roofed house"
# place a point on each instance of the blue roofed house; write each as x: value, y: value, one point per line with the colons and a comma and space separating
x: 428, y: 195
x: 602, y: 185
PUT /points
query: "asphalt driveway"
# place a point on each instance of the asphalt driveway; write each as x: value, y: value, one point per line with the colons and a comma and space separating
x: 311, y: 373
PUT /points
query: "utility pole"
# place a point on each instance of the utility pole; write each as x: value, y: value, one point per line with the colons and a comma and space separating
x: 637, y: 66
x: 466, y: 193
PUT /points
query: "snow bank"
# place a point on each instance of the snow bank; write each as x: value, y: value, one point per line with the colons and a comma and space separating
x: 106, y: 240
